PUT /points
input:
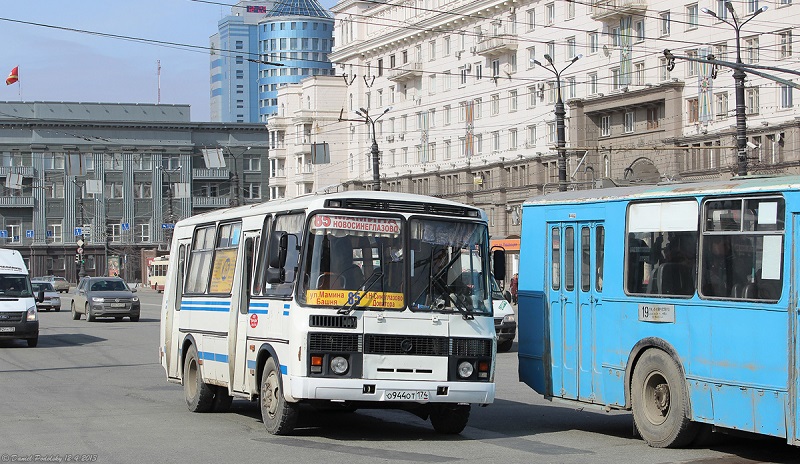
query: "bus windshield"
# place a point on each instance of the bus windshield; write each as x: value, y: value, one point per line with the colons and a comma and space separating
x: 360, y: 261
x: 15, y: 286
x: 353, y: 260
x: 447, y: 266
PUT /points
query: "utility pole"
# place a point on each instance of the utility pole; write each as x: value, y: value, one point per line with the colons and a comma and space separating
x: 82, y: 242
x: 561, y: 113
x: 234, y: 200
x: 376, y: 162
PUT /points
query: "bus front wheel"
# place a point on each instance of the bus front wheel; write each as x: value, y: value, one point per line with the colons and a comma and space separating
x: 450, y: 419
x: 199, y: 395
x: 279, y: 416
x: 660, y: 402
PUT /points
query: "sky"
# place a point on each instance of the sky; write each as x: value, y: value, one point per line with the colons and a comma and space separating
x: 59, y: 65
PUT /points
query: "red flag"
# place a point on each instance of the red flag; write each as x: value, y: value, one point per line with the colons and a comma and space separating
x: 13, y: 77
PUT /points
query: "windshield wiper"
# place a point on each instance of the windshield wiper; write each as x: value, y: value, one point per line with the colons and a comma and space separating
x: 435, y: 281
x: 345, y: 309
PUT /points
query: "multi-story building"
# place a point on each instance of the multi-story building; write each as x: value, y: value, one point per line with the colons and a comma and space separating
x: 115, y: 176
x: 472, y: 115
x: 261, y: 46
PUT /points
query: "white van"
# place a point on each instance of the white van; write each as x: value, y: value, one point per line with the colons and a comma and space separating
x: 18, y: 316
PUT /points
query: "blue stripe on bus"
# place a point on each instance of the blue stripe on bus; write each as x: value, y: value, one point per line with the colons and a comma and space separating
x: 193, y: 305
x: 258, y: 307
x: 252, y: 365
x: 286, y: 309
x: 209, y: 356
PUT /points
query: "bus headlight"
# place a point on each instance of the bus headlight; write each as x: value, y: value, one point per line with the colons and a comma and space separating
x: 339, y: 365
x: 465, y: 370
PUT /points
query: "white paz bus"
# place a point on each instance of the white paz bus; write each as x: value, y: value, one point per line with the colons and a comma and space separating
x: 356, y: 300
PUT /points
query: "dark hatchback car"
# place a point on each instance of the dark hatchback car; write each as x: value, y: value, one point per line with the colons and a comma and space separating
x: 104, y: 297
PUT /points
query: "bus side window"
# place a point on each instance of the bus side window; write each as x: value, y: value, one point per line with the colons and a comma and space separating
x: 261, y: 264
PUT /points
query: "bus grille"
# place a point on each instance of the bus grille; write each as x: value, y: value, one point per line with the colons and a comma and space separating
x: 333, y: 322
x: 470, y: 347
x: 12, y: 316
x: 334, y: 342
x: 405, y: 344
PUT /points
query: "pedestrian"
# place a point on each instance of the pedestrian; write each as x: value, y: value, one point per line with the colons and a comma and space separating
x: 514, y: 285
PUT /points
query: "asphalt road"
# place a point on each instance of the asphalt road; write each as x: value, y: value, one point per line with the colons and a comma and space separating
x: 95, y: 392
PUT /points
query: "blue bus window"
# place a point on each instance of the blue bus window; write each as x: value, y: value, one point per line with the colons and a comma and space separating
x: 569, y: 259
x: 599, y: 250
x: 556, y: 258
x: 586, y: 257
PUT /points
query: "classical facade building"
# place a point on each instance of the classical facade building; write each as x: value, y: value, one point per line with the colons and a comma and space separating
x: 115, y: 176
x: 471, y: 113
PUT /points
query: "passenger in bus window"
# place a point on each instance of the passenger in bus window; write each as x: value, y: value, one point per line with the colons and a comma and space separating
x: 716, y: 273
x: 346, y: 274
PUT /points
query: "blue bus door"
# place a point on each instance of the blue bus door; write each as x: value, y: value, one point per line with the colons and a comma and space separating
x: 794, y: 312
x: 574, y: 287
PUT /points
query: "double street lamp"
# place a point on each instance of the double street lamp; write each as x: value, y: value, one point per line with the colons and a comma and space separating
x: 234, y: 201
x: 561, y: 113
x: 376, y: 178
x: 738, y: 77
x: 170, y: 224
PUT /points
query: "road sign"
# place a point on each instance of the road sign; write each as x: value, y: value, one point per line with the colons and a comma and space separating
x: 80, y: 251
x: 167, y: 226
x: 126, y: 226
x: 29, y: 234
x: 78, y: 231
x: 79, y: 242
x: 4, y: 233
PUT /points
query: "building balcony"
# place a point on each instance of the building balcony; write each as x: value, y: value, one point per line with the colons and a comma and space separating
x: 301, y: 148
x: 213, y: 173
x: 26, y: 171
x: 210, y: 202
x: 277, y: 153
x: 496, y: 45
x: 278, y: 182
x: 614, y: 9
x: 17, y: 202
x: 405, y: 72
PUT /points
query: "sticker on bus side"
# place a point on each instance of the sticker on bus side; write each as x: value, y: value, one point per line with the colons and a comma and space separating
x: 656, y: 312
x: 387, y: 300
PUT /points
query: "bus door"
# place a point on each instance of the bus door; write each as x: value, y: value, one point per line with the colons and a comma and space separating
x: 173, y: 293
x: 573, y: 299
x: 240, y: 301
x: 794, y: 314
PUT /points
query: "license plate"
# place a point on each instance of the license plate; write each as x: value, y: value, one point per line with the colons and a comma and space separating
x: 7, y: 329
x: 117, y: 305
x: 401, y: 395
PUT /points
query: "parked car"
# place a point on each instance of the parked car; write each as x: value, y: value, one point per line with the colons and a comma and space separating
x: 51, y: 299
x: 104, y: 297
x: 505, y: 322
x: 61, y: 284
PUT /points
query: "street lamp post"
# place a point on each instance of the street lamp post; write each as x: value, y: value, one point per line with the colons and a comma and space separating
x: 82, y: 270
x: 738, y: 77
x: 170, y: 196
x: 376, y: 177
x: 234, y: 201
x: 561, y: 113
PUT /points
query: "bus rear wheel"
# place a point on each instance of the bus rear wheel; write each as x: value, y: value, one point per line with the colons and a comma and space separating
x: 199, y: 395
x: 660, y: 402
x: 279, y: 416
x: 450, y: 419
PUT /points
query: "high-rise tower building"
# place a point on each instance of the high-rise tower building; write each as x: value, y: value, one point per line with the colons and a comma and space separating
x: 260, y: 46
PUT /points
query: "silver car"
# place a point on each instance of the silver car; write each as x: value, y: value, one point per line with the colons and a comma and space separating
x: 51, y: 298
x: 104, y: 297
x: 61, y: 284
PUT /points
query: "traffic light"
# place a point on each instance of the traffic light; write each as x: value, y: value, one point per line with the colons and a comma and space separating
x: 77, y: 258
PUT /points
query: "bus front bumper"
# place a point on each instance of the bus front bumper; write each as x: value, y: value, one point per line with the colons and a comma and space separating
x: 395, y: 391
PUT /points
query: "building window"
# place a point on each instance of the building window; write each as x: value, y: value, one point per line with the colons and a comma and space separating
x: 691, y: 66
x: 786, y: 96
x: 638, y: 30
x: 751, y: 100
x: 691, y: 17
x: 653, y: 116
x: 638, y: 73
x: 143, y: 190
x: 113, y: 190
x: 615, y: 81
x: 663, y: 23
x: 549, y: 14
x: 692, y: 109
x: 785, y: 38
x: 552, y: 132
x: 512, y: 100
x: 593, y: 39
x: 721, y: 105
x: 531, y: 136
x: 495, y: 142
x: 663, y: 72
x: 751, y: 50
x: 512, y: 139
x: 591, y: 83
x: 531, y: 19
x: 54, y: 231
x: 570, y: 7
x: 605, y: 126
x: 251, y: 190
x: 628, y: 121
x: 571, y: 48
x: 495, y: 104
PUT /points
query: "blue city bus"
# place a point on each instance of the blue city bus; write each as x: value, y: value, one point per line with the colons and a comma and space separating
x: 678, y: 302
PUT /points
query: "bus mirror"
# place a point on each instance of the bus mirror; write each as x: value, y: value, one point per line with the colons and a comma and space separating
x: 276, y: 275
x: 278, y: 243
x: 499, y: 264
